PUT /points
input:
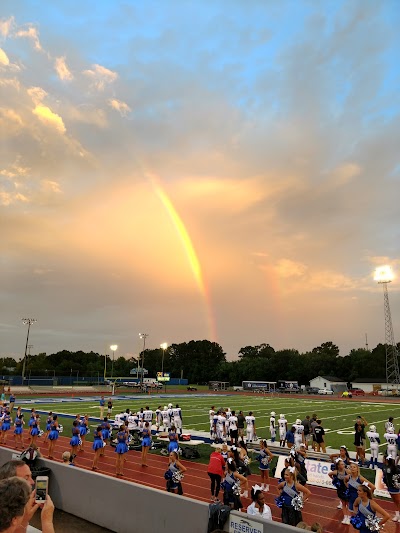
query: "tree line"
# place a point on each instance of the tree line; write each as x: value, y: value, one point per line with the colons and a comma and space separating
x: 203, y: 361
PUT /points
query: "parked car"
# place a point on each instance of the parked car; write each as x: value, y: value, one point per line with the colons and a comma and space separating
x: 237, y: 389
x: 325, y: 391
x: 357, y: 392
x: 312, y: 390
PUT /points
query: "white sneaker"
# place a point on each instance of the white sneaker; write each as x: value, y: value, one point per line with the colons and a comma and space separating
x: 245, y: 494
x: 266, y: 488
x: 395, y: 518
x: 344, y: 521
x: 340, y: 506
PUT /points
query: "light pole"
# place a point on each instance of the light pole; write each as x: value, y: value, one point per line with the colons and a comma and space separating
x: 144, y: 337
x: 28, y: 321
x: 384, y: 275
x: 113, y: 348
x: 163, y: 346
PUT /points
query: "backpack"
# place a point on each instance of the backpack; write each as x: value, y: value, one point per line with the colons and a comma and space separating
x: 190, y: 453
x: 185, y: 437
x: 217, y: 516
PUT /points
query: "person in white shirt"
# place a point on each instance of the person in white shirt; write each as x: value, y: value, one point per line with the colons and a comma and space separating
x: 259, y: 507
x: 374, y: 441
x: 141, y: 415
x: 299, y: 433
x: 233, y: 429
x: 132, y: 422
x: 250, y: 427
x: 166, y: 419
x: 177, y: 418
x: 211, y: 414
x: 272, y: 426
x: 391, y: 440
x: 389, y: 424
x: 148, y: 416
x: 220, y: 428
x: 282, y: 423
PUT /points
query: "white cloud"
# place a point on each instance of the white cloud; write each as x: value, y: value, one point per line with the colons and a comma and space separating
x: 37, y: 94
x: 4, y: 58
x: 49, y: 118
x: 7, y: 198
x: 62, y: 70
x: 100, y: 76
x: 5, y: 26
x: 51, y: 186
x: 119, y: 106
x: 32, y: 34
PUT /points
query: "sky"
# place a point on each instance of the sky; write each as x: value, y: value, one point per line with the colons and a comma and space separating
x: 221, y: 170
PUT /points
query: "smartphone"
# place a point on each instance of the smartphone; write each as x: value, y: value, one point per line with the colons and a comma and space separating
x: 42, y: 485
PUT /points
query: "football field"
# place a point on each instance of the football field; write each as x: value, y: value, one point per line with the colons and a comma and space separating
x: 338, y: 417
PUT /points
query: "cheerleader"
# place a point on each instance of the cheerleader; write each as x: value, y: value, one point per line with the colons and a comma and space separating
x: 289, y: 489
x: 391, y: 439
x: 343, y: 455
x: 120, y: 449
x: 76, y: 440
x: 97, y: 446
x: 105, y: 431
x: 6, y: 425
x: 391, y: 478
x: 173, y: 440
x: 48, y: 425
x: 175, y: 470
x: 34, y: 432
x: 53, y: 436
x: 264, y: 458
x: 146, y: 442
x: 353, y: 481
x: 244, y: 456
x: 374, y: 441
x: 365, y: 507
x: 283, y: 427
x: 230, y: 488
x: 83, y: 430
x: 18, y: 430
x: 258, y: 507
x: 224, y: 451
x: 338, y: 477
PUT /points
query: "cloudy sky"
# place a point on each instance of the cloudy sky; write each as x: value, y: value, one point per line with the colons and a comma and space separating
x: 225, y: 170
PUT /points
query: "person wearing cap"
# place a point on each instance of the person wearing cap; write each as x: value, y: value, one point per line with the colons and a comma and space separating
x: 282, y: 424
x: 374, y: 442
x: 272, y: 426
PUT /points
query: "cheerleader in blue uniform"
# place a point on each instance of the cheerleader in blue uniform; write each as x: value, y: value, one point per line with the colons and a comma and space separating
x: 174, y: 467
x: 264, y: 458
x: 34, y: 432
x: 6, y: 425
x: 391, y: 478
x: 120, y: 449
x: 18, y: 430
x: 173, y: 440
x: 48, y: 425
x: 97, y: 446
x: 353, y: 481
x: 83, y: 430
x: 232, y: 477
x: 339, y: 477
x: 291, y: 489
x: 105, y: 431
x: 53, y: 436
x: 76, y: 439
x: 146, y: 442
x: 365, y: 507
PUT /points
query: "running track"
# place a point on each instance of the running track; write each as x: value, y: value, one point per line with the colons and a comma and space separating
x: 321, y: 506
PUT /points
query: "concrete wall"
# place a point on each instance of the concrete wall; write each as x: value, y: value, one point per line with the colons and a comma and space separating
x: 126, y: 507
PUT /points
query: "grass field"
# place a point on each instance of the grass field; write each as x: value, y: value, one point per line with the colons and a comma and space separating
x: 338, y: 417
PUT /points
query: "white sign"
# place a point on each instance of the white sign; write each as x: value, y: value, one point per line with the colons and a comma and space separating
x: 317, y: 472
x: 244, y: 525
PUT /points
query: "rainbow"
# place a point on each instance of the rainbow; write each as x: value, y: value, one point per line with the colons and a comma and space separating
x: 190, y: 251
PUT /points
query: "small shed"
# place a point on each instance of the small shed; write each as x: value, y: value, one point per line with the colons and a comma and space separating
x: 329, y: 382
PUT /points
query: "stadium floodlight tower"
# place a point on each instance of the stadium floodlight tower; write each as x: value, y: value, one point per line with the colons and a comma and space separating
x: 384, y: 275
x: 143, y: 336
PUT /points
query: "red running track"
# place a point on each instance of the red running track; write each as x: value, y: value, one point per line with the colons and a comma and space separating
x: 321, y: 506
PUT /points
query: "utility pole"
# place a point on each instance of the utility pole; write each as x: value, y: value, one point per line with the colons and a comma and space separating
x: 28, y: 321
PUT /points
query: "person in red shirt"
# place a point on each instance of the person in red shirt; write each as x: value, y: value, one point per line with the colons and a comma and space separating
x: 216, y: 470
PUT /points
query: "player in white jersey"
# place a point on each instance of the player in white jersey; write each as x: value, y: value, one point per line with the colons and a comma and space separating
x: 233, y: 429
x: 148, y: 416
x: 272, y: 426
x: 220, y: 428
x: 133, y: 421
x: 250, y: 427
x: 166, y: 419
x: 299, y: 433
x: 282, y: 424
x: 177, y: 418
x: 211, y: 414
x: 374, y: 441
x: 158, y: 417
x: 389, y: 424
x: 170, y: 406
x: 140, y: 415
x: 391, y: 439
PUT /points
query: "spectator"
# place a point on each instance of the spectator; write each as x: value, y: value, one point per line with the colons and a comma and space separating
x: 316, y: 526
x: 313, y: 425
x: 215, y: 472
x: 259, y: 507
x: 359, y: 438
x: 102, y: 404
x: 14, y: 496
x: 303, y: 525
x: 240, y: 424
x: 21, y: 470
x: 319, y: 437
x: 307, y: 430
x: 289, y: 437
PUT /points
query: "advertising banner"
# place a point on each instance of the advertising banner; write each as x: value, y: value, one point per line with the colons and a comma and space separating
x: 244, y: 525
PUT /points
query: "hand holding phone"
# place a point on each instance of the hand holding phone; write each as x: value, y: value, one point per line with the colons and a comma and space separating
x: 42, y: 485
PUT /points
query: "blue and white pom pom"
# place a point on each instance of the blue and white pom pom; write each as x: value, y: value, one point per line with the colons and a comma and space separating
x: 396, y: 481
x: 373, y: 523
x: 41, y: 433
x: 265, y: 461
x: 177, y: 477
x: 236, y: 488
x: 297, y: 503
x: 246, y: 460
x: 60, y: 428
x: 279, y: 501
